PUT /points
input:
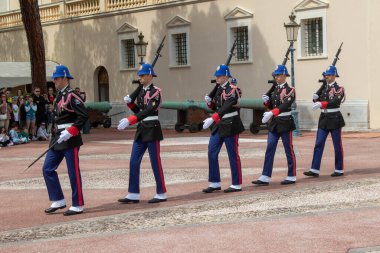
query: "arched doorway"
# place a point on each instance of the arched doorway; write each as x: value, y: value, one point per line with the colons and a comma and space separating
x: 103, y: 85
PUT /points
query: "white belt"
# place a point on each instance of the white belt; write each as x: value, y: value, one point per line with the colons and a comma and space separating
x: 151, y: 118
x: 330, y: 110
x: 285, y: 114
x: 64, y: 126
x: 229, y: 115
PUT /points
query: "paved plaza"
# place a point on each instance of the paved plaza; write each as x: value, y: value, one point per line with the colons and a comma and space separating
x: 322, y: 214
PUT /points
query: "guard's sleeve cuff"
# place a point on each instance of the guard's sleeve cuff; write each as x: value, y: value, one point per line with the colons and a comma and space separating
x: 215, y: 117
x: 324, y: 104
x: 131, y: 105
x: 73, y: 130
x: 266, y: 104
x: 132, y: 120
x: 276, y: 112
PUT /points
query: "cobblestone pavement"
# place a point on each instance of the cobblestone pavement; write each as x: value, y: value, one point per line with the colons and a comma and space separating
x: 118, y: 178
x: 355, y: 194
x: 104, y: 164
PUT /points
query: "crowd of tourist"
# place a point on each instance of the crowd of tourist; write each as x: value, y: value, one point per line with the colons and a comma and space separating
x: 25, y: 117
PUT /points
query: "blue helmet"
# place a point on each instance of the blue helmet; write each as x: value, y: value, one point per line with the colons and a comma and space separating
x: 61, y: 71
x: 146, y: 69
x: 222, y: 70
x: 280, y: 70
x: 331, y: 71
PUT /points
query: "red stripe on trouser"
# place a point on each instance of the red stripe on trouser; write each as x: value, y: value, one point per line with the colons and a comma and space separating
x: 292, y: 151
x: 77, y: 173
x: 341, y: 147
x: 160, y: 166
x: 238, y: 158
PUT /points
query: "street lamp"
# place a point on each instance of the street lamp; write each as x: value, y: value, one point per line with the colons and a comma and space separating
x: 291, y: 34
x: 141, y: 47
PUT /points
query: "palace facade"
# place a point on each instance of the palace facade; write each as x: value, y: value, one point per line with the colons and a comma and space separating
x: 95, y: 39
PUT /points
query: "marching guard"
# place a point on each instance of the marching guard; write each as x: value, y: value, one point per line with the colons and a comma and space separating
x: 69, y: 117
x: 331, y: 121
x: 280, y: 125
x: 148, y: 135
x: 226, y: 126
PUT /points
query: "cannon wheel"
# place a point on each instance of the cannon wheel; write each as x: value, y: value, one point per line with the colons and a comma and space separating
x: 107, y: 123
x: 95, y: 124
x: 193, y: 128
x: 200, y: 126
x: 178, y: 128
x: 254, y: 128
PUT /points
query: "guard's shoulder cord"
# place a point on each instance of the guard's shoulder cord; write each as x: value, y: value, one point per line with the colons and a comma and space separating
x: 147, y: 97
x: 234, y: 89
x: 63, y: 103
x: 338, y: 92
x: 284, y: 95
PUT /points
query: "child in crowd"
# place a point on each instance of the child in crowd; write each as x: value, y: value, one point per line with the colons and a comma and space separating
x: 23, y: 134
x: 15, y: 110
x: 42, y: 135
x: 14, y: 134
x: 4, y: 138
x: 31, y: 109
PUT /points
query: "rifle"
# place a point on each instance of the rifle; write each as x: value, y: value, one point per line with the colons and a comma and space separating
x: 228, y: 58
x: 136, y: 92
x: 273, y: 81
x: 323, y: 81
x: 158, y: 52
x: 213, y: 92
x: 38, y: 158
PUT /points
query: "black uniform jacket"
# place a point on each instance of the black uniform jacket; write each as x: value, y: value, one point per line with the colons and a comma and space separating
x: 282, y: 99
x: 225, y: 101
x: 147, y: 104
x: 334, y: 95
x: 68, y: 109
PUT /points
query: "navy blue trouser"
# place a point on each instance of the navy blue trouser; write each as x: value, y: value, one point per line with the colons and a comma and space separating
x: 52, y: 161
x: 287, y: 141
x: 138, y: 150
x: 336, y: 136
x: 232, y: 146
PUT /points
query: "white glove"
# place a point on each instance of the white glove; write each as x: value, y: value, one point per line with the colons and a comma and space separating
x: 65, y: 135
x: 317, y: 105
x: 315, y: 96
x: 207, y: 123
x: 127, y: 99
x: 267, y: 116
x: 208, y: 99
x: 123, y: 123
x: 265, y: 98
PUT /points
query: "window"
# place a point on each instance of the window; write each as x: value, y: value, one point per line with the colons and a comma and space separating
x: 128, y: 53
x: 179, y: 42
x: 240, y: 34
x: 239, y: 29
x: 180, y: 48
x: 312, y: 38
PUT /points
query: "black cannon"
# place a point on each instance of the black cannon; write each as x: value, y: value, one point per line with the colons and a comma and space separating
x: 97, y: 114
